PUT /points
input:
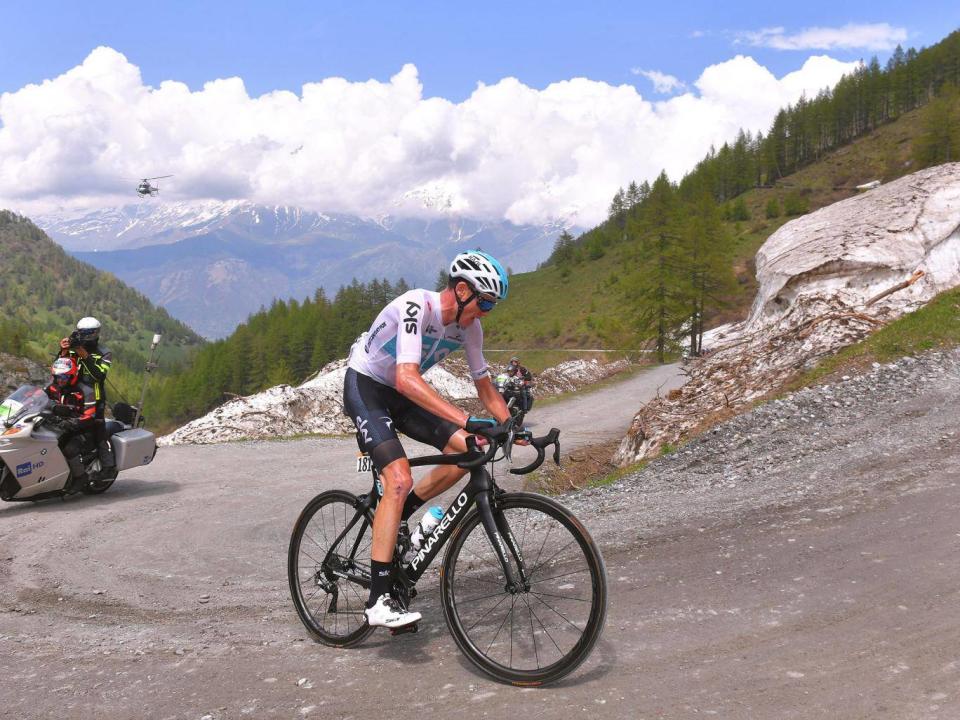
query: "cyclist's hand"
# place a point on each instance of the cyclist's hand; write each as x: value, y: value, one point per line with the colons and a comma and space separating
x: 523, y: 437
x: 474, y: 424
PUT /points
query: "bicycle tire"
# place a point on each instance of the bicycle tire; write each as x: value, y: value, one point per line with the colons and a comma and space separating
x: 345, y: 625
x: 552, y: 574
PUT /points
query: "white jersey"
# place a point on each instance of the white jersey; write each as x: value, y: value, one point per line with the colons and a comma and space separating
x: 409, y: 330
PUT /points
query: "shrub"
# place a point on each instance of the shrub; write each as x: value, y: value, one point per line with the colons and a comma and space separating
x: 795, y: 204
x: 773, y: 208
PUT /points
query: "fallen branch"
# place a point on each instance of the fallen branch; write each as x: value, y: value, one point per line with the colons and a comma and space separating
x: 900, y: 286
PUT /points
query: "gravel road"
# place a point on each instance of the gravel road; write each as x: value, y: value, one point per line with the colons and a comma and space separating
x: 800, y: 561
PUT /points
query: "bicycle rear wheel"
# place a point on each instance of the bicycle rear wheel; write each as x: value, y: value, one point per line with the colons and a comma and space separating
x: 327, y: 563
x: 546, y: 630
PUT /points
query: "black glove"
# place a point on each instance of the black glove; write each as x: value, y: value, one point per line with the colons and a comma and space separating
x: 70, y: 424
x: 64, y: 411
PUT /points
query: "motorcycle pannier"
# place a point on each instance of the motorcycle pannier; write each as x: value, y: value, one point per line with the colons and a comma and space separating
x: 133, y: 448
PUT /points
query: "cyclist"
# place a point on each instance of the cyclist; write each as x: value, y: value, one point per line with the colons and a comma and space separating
x: 384, y: 392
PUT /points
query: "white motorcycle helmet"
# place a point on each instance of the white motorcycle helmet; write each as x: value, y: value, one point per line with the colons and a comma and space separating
x: 88, y: 330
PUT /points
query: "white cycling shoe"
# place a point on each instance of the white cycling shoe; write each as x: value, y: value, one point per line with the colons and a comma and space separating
x: 387, y: 612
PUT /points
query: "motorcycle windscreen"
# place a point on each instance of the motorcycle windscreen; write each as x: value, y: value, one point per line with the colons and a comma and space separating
x: 25, y: 399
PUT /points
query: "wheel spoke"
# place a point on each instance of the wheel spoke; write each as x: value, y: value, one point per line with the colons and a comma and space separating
x: 548, y: 560
x: 482, y: 597
x: 562, y: 616
x: 540, y: 622
x: 561, y: 575
x: 489, y: 611
x: 538, y: 593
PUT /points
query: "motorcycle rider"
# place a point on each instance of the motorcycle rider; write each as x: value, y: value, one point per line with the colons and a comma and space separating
x: 93, y: 361
x: 384, y: 393
x: 516, y: 370
x: 76, y: 406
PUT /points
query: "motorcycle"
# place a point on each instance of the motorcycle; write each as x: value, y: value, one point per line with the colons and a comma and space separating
x: 515, y: 393
x: 32, y: 464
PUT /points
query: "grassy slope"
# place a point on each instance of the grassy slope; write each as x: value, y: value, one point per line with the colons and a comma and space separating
x: 547, y: 310
x: 44, y: 291
x: 48, y: 291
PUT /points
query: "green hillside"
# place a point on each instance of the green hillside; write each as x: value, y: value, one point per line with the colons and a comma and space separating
x: 877, y: 124
x: 44, y: 291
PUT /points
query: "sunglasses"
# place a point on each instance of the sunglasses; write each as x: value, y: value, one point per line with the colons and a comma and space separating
x: 485, y: 304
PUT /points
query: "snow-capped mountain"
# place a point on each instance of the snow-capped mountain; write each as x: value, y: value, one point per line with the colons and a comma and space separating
x: 151, y: 223
x: 211, y: 264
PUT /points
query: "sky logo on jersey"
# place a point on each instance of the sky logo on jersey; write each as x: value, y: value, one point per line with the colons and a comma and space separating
x: 410, y: 321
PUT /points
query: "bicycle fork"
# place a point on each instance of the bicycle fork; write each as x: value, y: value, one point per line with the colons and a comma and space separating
x: 501, y: 539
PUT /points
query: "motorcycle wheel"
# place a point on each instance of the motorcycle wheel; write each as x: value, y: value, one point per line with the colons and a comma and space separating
x: 101, y: 484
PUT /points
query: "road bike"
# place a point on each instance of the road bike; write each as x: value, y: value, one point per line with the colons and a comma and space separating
x: 522, y: 585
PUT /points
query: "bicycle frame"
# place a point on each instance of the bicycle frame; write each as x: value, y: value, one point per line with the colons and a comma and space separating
x: 480, y: 489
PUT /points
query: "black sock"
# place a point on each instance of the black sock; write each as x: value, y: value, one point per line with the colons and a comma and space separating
x: 411, y: 505
x: 380, y: 578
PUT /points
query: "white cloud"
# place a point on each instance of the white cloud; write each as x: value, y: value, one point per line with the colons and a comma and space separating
x: 373, y: 147
x: 866, y: 36
x: 662, y: 82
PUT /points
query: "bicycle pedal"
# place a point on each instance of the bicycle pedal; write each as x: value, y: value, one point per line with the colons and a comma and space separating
x: 403, y: 630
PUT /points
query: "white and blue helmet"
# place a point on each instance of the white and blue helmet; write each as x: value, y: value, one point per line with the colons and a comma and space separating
x: 482, y: 271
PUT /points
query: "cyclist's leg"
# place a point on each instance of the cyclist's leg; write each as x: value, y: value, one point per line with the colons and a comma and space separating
x: 367, y: 403
x: 442, y: 434
x: 442, y: 477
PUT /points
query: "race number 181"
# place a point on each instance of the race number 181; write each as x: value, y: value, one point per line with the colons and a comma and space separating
x: 364, y: 464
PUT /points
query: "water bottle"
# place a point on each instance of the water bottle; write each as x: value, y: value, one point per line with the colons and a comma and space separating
x: 431, y: 518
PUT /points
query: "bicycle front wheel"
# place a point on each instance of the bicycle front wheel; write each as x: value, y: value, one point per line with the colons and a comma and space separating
x: 546, y: 629
x: 328, y: 568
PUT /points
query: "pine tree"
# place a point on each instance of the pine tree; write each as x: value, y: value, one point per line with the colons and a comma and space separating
x: 705, y: 260
x: 657, y: 286
x: 563, y: 249
x: 939, y: 141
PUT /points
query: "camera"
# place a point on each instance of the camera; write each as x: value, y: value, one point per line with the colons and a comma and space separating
x: 75, y: 339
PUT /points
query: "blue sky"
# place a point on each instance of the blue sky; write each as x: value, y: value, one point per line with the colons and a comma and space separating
x: 454, y: 45
x: 242, y: 101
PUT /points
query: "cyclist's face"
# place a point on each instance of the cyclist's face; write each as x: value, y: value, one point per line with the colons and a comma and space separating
x: 478, y: 306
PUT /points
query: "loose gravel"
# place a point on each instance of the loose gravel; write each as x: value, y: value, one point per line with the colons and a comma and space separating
x: 837, y: 438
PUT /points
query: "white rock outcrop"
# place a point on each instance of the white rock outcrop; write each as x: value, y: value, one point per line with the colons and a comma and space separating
x: 818, y: 275
x: 314, y: 407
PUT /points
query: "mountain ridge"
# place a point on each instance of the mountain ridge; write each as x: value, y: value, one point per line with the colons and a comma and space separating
x: 212, y: 264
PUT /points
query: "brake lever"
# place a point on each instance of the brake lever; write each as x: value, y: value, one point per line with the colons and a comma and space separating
x: 508, y: 446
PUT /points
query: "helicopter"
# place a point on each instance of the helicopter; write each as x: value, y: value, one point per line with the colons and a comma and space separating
x: 145, y: 188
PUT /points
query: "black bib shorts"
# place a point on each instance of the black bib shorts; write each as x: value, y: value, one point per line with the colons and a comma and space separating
x: 379, y: 412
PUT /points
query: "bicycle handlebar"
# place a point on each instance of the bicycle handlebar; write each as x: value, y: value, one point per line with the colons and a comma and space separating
x: 541, y: 444
x: 497, y: 436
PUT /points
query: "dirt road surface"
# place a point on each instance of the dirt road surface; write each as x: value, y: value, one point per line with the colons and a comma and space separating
x: 167, y: 596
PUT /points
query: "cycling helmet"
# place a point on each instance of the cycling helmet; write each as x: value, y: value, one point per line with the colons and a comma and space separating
x: 484, y: 274
x: 88, y: 330
x: 514, y: 359
x: 64, y: 371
